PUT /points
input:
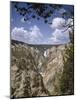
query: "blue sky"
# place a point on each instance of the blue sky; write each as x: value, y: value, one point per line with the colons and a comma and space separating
x: 36, y: 31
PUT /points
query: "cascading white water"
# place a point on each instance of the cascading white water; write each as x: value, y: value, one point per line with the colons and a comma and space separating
x: 45, y: 54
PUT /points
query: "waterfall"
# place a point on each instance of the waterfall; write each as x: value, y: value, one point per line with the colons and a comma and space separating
x: 45, y: 54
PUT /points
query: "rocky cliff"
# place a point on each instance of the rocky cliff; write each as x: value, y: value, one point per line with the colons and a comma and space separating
x: 36, y: 69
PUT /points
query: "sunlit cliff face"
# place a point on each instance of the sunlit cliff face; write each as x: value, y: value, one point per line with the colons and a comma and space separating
x: 36, y: 69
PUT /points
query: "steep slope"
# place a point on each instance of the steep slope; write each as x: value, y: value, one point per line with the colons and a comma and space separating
x: 26, y: 81
x: 36, y: 69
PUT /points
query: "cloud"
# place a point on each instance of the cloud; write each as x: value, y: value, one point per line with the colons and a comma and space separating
x: 62, y: 10
x: 58, y: 37
x: 35, y: 32
x: 29, y: 22
x: 70, y: 21
x: 58, y: 23
x: 19, y: 34
x: 33, y: 35
x: 22, y: 20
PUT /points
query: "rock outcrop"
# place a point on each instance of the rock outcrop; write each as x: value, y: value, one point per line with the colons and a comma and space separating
x: 36, y: 70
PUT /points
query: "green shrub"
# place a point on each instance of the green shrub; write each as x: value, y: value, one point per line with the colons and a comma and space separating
x: 67, y: 78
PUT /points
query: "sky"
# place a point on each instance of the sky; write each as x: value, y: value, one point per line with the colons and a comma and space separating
x: 36, y: 31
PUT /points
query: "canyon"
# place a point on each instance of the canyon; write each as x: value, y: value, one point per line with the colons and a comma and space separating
x: 36, y: 69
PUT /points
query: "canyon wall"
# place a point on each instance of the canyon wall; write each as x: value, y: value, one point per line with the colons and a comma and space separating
x: 36, y: 70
